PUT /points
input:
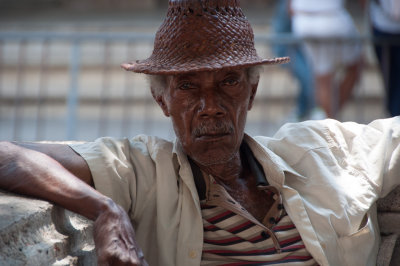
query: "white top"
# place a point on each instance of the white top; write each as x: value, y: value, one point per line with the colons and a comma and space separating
x: 329, y: 174
x: 381, y: 19
x: 316, y: 5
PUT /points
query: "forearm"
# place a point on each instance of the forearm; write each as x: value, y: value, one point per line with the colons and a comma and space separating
x: 35, y: 174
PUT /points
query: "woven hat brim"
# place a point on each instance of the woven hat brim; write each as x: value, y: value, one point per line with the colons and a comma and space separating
x: 148, y: 67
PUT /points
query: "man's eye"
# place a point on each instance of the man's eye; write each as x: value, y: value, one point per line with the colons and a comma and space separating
x: 230, y: 81
x: 186, y: 86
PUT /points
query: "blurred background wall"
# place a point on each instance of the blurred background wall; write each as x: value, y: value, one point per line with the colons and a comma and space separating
x: 60, y: 75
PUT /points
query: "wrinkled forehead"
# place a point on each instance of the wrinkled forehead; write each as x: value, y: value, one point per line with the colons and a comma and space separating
x: 208, y: 75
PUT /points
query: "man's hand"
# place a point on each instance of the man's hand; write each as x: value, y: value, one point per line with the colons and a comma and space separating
x: 114, y: 239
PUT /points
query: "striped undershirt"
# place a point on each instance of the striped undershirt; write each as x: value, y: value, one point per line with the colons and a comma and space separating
x: 232, y: 236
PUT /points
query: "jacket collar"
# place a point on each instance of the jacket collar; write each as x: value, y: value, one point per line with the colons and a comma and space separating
x: 273, y: 165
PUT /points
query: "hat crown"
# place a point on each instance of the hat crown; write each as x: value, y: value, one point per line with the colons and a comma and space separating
x: 201, y: 35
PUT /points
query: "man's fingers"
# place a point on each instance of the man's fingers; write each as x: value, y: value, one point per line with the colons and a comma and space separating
x: 116, y: 259
x: 137, y: 253
x: 115, y: 239
x: 118, y: 253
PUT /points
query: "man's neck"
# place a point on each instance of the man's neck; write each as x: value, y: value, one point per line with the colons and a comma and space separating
x: 225, y: 171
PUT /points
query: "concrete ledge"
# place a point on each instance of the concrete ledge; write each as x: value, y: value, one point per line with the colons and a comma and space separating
x: 389, y: 221
x: 390, y: 203
x: 35, y: 232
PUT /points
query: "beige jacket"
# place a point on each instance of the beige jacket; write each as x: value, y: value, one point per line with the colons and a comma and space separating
x: 329, y: 173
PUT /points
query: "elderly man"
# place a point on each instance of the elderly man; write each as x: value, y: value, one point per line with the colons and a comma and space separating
x: 217, y: 196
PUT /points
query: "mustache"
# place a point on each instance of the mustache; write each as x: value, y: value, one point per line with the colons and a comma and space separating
x: 213, y: 128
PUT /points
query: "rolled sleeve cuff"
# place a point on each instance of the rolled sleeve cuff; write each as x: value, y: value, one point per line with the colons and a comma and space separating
x: 104, y: 167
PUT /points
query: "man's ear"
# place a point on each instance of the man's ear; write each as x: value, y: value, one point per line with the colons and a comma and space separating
x: 253, y: 92
x: 161, y: 102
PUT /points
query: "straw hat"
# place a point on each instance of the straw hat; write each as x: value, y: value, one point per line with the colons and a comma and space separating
x: 202, y: 35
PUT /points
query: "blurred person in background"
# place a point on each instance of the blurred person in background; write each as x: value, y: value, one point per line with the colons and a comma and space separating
x: 325, y: 23
x: 385, y: 24
x: 299, y: 67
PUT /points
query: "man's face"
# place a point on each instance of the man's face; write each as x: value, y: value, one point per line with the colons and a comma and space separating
x: 208, y: 112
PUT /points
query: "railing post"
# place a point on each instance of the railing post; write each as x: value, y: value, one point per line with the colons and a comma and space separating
x: 43, y: 90
x: 18, y: 105
x: 72, y: 97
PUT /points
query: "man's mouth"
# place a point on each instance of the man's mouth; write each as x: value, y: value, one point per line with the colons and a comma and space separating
x: 212, y: 136
x: 212, y: 131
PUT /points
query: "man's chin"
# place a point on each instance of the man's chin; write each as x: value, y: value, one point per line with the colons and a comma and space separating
x: 209, y: 151
x: 212, y: 161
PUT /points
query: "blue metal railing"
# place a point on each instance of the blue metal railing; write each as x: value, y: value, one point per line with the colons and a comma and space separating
x: 75, y: 67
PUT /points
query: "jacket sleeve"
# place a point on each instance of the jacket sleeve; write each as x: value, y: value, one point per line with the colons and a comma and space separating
x: 373, y: 150
x: 369, y: 151
x: 111, y: 168
x: 388, y: 150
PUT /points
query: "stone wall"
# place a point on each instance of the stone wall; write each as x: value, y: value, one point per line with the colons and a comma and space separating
x: 389, y: 224
x: 34, y: 232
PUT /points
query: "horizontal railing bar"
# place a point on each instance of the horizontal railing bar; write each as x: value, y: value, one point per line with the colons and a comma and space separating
x: 76, y: 36
x: 139, y: 36
x: 286, y: 38
x: 84, y: 101
x: 113, y: 66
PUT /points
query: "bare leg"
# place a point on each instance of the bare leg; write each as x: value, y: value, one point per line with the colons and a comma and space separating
x: 351, y: 77
x: 324, y: 86
x: 326, y: 89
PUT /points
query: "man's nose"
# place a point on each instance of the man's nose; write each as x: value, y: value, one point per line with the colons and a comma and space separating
x: 210, y: 105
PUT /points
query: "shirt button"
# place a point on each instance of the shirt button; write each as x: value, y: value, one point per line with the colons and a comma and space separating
x: 192, y: 254
x: 264, y: 235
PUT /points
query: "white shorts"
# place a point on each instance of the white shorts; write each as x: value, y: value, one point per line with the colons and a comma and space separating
x: 326, y: 56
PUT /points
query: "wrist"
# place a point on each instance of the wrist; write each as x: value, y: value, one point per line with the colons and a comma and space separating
x: 109, y: 208
x: 106, y: 205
